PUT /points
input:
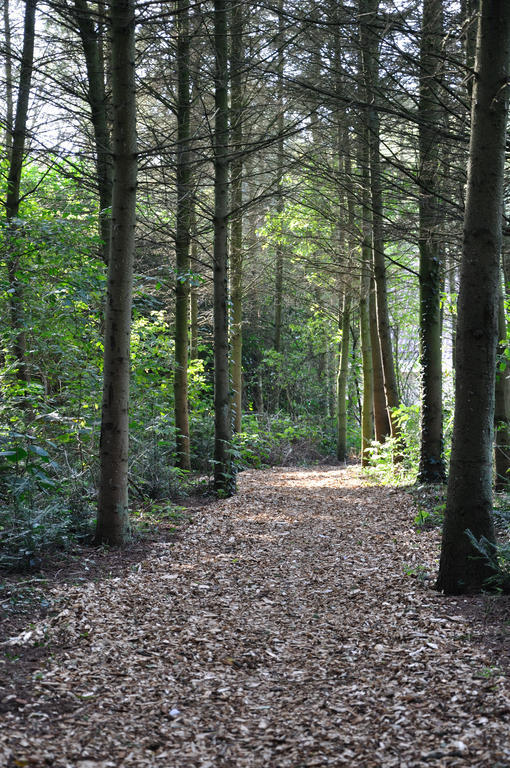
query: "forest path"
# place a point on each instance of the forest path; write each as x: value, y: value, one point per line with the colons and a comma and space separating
x: 283, y: 628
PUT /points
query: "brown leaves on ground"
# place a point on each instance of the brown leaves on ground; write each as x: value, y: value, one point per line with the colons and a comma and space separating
x: 292, y: 625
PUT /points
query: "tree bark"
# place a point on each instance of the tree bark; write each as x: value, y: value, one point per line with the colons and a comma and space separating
x: 432, y: 468
x: 236, y: 233
x: 193, y: 320
x: 182, y: 239
x: 278, y: 301
x: 469, y: 13
x: 452, y: 290
x: 502, y: 404
x: 113, y: 516
x: 381, y: 424
x: 469, y: 497
x: 224, y: 477
x: 12, y: 201
x: 344, y: 149
x: 367, y: 419
x: 343, y: 372
x: 370, y: 60
x: 382, y: 427
x: 193, y: 351
x: 9, y: 98
x: 98, y: 102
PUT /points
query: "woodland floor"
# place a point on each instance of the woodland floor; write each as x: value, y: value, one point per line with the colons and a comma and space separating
x: 293, y: 625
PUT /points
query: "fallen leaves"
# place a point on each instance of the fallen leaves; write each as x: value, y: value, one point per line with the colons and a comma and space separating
x: 291, y: 626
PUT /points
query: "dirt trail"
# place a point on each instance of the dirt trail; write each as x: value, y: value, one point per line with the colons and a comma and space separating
x: 292, y: 625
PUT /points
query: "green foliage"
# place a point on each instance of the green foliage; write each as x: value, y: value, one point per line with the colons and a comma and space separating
x: 48, y: 426
x: 150, y: 515
x: 278, y: 440
x: 431, y: 504
x: 382, y: 457
x: 420, y: 572
x: 427, y: 519
x: 40, y: 508
x: 497, y: 556
x: 382, y: 465
x: 397, y: 460
x: 501, y: 515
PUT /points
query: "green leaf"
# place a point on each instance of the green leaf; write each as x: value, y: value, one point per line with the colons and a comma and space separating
x: 14, y: 455
x: 39, y: 452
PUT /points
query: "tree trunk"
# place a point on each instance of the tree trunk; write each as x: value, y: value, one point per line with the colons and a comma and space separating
x: 224, y: 478
x: 193, y: 320
x: 432, y: 468
x: 278, y: 301
x: 469, y: 498
x: 502, y: 405
x: 469, y: 12
x: 375, y: 380
x: 330, y: 401
x: 452, y: 290
x: 9, y: 98
x: 12, y: 201
x: 367, y: 421
x: 193, y: 351
x: 343, y: 373
x: 344, y: 152
x: 182, y: 239
x: 98, y: 102
x: 236, y: 234
x: 113, y: 517
x: 370, y: 59
x: 382, y: 426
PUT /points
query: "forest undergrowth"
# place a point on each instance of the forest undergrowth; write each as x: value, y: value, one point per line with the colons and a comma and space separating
x: 294, y: 624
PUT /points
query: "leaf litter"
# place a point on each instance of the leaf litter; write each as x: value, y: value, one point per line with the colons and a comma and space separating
x: 292, y: 625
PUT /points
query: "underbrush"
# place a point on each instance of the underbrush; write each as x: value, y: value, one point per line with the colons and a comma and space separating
x: 497, y: 555
x: 395, y: 462
x: 430, y: 501
x: 278, y: 440
x: 49, y: 468
x: 44, y: 502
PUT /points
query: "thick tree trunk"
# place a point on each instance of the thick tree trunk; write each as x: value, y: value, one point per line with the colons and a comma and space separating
x: 113, y: 517
x: 432, y: 468
x: 98, y: 102
x: 12, y: 201
x: 343, y: 373
x: 469, y: 498
x: 224, y: 477
x: 182, y: 239
x: 236, y: 233
x: 370, y: 59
